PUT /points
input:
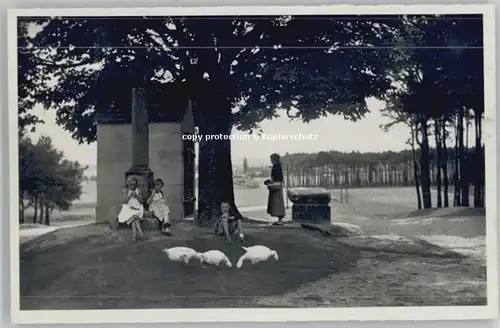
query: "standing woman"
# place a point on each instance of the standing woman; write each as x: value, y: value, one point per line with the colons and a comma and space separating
x: 275, y: 202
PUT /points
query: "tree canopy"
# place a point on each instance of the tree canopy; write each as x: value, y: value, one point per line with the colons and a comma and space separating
x: 309, y: 65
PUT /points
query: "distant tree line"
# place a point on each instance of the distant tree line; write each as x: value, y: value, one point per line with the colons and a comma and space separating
x: 335, y: 169
x: 47, y: 180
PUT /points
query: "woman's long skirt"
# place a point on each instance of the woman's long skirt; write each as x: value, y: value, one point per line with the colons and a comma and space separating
x: 276, y: 202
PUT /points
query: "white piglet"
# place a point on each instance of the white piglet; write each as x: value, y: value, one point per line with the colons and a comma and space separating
x: 256, y: 254
x: 181, y: 254
x: 214, y: 257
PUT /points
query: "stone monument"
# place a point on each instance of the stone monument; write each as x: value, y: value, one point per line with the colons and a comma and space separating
x: 140, y: 143
x: 128, y: 146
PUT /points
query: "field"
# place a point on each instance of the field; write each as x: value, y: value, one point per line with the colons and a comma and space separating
x: 388, y: 201
x: 380, y: 252
x: 366, y: 207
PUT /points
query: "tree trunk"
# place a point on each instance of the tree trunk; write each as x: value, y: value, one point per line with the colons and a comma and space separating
x: 444, y: 164
x: 208, y: 193
x: 370, y: 174
x: 35, y: 207
x: 47, y: 215
x: 439, y: 163
x: 456, y: 177
x: 467, y: 128
x: 415, y: 167
x: 479, y: 161
x: 21, y: 207
x: 224, y: 162
x: 424, y: 165
x: 215, y: 166
x: 464, y: 181
x: 40, y: 219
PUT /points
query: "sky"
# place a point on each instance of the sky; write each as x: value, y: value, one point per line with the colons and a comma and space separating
x: 332, y: 133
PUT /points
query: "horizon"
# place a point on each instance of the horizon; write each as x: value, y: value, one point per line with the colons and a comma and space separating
x: 328, y: 139
x: 369, y: 137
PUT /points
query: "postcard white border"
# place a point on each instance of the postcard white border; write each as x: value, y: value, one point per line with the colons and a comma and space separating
x: 489, y: 311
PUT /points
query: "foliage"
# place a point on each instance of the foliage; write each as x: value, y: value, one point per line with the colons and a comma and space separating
x: 443, y: 72
x: 46, y: 177
x: 264, y: 63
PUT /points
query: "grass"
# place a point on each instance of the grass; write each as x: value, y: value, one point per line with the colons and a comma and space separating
x: 385, y: 202
x: 102, y: 269
x: 371, y: 202
x: 93, y: 267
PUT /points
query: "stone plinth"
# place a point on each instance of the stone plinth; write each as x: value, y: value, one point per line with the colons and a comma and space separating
x: 310, y: 204
x: 148, y: 223
x: 309, y: 196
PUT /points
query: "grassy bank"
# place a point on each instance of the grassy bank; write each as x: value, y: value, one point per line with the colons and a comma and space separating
x: 93, y: 267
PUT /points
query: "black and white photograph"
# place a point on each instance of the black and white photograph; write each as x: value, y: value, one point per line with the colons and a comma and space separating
x: 236, y: 164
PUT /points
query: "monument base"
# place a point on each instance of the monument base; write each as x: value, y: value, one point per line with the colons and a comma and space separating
x: 147, y: 224
x: 145, y: 178
x: 313, y: 213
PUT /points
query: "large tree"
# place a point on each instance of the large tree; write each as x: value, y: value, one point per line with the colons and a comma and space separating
x: 237, y: 70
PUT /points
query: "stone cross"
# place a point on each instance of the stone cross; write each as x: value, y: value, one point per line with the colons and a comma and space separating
x: 140, y: 143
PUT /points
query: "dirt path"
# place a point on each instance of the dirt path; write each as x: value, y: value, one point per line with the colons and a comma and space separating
x: 26, y: 235
x: 388, y: 279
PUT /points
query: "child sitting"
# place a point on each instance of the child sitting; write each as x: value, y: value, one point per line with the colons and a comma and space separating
x: 132, y: 209
x: 226, y: 225
x: 159, y: 207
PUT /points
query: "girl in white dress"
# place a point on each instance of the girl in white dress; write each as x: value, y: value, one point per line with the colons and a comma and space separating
x: 158, y: 205
x: 132, y: 209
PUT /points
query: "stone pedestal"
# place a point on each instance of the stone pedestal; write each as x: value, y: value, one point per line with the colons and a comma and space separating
x: 314, y: 213
x: 150, y: 223
x: 310, y: 205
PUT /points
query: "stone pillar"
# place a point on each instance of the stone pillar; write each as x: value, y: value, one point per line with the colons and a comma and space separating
x: 140, y: 143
